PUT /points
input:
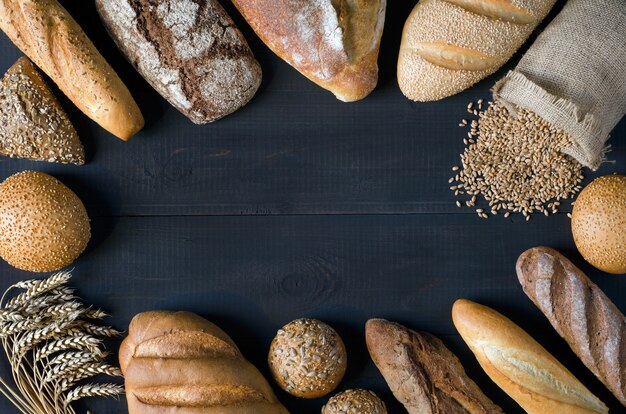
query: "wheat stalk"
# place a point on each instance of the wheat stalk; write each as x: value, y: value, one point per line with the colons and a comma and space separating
x: 52, y: 345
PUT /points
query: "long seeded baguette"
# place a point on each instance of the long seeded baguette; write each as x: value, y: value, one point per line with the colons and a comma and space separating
x: 334, y: 43
x: 180, y: 363
x: 519, y: 365
x: 53, y: 40
x: 422, y: 373
x: 449, y: 45
x: 580, y: 312
x: 191, y: 52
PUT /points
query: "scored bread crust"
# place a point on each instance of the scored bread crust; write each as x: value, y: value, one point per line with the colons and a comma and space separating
x: 519, y: 365
x: 580, y: 312
x: 449, y: 45
x: 334, y: 43
x: 422, y: 373
x: 53, y: 40
x: 178, y: 362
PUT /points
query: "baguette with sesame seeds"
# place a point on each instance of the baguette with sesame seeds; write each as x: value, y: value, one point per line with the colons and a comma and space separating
x: 449, y: 45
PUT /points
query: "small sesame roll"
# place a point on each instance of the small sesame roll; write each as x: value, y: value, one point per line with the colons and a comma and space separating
x: 307, y: 358
x: 355, y: 402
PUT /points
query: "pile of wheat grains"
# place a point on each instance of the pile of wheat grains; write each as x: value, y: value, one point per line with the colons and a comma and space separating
x: 514, y: 163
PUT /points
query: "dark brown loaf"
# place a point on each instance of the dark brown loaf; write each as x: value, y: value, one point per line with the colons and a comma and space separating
x: 580, y: 312
x: 33, y: 125
x: 422, y: 373
x: 53, y: 40
x: 190, y: 51
x: 180, y: 363
x: 334, y: 43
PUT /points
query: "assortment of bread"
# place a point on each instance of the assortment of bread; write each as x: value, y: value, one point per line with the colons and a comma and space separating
x: 32, y: 123
x: 48, y: 34
x: 449, y: 45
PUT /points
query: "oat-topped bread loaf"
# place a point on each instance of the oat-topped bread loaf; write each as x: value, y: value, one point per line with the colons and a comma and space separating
x: 190, y: 51
x: 33, y: 125
x: 334, y: 43
x: 178, y: 362
x: 47, y: 34
x: 422, y: 373
x: 449, y: 45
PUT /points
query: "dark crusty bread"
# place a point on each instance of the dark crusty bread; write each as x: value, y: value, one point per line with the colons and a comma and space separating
x: 52, y: 39
x: 334, y: 43
x: 580, y: 312
x: 422, y: 373
x: 181, y: 363
x: 191, y: 52
x: 33, y: 125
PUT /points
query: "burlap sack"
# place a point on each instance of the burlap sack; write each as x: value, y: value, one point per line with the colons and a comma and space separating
x: 574, y: 75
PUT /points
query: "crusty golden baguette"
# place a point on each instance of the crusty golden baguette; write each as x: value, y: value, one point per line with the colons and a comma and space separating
x: 580, y: 312
x: 334, y: 43
x: 181, y: 363
x: 52, y: 39
x: 519, y: 365
x: 449, y: 45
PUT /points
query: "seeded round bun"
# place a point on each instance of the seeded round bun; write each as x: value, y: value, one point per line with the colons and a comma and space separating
x: 43, y: 224
x: 599, y: 223
x: 355, y: 402
x: 307, y: 358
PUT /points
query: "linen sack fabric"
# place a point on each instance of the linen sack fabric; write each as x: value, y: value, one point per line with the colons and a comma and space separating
x: 574, y: 76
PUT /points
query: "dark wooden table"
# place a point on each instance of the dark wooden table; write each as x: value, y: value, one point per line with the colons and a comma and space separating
x: 299, y: 205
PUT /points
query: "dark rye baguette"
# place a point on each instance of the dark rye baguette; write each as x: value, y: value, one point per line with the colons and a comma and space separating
x: 422, y: 373
x: 580, y: 312
x: 190, y: 51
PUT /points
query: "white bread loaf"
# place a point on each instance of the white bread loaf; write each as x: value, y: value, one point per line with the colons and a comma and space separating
x: 52, y: 39
x: 519, y: 365
x: 334, y: 43
x: 180, y: 363
x: 449, y: 45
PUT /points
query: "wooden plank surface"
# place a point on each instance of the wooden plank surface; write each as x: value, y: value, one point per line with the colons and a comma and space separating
x: 301, y: 206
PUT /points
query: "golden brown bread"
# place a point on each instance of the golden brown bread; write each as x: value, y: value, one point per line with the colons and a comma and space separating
x: 448, y: 45
x: 422, y: 373
x: 48, y: 35
x: 33, y: 125
x: 519, y: 365
x: 580, y: 312
x: 181, y: 363
x: 334, y: 43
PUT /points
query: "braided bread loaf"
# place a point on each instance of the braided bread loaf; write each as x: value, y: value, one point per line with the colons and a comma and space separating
x: 181, y: 363
x: 580, y: 312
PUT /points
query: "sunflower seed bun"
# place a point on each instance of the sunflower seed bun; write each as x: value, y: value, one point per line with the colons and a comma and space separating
x: 43, y: 224
x: 355, y: 402
x: 307, y: 358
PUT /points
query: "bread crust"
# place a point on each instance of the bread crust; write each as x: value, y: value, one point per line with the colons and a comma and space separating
x: 191, y: 52
x: 519, y: 365
x: 53, y: 40
x: 449, y: 45
x: 422, y: 373
x: 178, y: 362
x: 333, y: 43
x: 580, y: 312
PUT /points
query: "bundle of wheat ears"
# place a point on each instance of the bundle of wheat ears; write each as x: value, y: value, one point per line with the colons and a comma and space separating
x: 52, y: 346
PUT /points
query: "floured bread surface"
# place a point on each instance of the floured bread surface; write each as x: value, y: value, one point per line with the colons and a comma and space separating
x: 33, y: 125
x: 449, y: 45
x: 190, y: 51
x: 332, y: 42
